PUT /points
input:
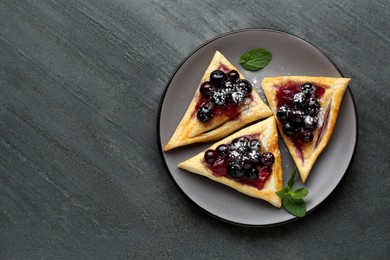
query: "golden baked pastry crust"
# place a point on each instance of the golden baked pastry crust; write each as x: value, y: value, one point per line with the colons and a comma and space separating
x: 329, y: 103
x: 269, y: 142
x: 191, y: 130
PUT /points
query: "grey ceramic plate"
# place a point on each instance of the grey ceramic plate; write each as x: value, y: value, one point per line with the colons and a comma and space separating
x: 291, y: 56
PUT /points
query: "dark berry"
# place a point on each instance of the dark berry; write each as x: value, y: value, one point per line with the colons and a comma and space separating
x: 254, y: 145
x: 234, y: 155
x: 237, y: 98
x: 247, y: 165
x: 282, y: 113
x: 297, y: 117
x: 299, y: 100
x: 233, y: 75
x: 308, y: 88
x: 228, y: 85
x: 307, y: 136
x: 288, y: 129
x: 267, y: 158
x: 240, y: 142
x: 218, y: 97
x: 255, y: 156
x: 310, y: 122
x: 210, y: 156
x: 303, y: 135
x: 222, y: 150
x: 244, y: 86
x: 206, y: 89
x: 313, y: 106
x: 243, y: 150
x: 204, y: 114
x: 235, y: 170
x: 252, y: 173
x: 218, y: 77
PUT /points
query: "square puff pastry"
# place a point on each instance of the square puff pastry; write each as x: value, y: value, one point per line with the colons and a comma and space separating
x: 191, y: 130
x: 268, y: 137
x: 329, y: 108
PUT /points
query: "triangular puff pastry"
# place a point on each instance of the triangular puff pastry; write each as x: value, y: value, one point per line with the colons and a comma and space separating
x: 267, y: 135
x: 192, y: 130
x: 329, y: 91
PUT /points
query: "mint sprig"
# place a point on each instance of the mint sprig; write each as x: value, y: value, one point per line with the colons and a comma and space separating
x: 292, y: 200
x: 255, y: 59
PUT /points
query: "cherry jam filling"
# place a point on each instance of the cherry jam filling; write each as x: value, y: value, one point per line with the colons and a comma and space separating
x: 222, y: 94
x: 297, y: 108
x: 242, y: 161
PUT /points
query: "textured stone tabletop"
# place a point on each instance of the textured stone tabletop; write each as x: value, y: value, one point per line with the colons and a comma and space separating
x: 81, y: 175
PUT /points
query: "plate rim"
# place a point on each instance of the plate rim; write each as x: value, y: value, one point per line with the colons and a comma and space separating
x: 159, y: 121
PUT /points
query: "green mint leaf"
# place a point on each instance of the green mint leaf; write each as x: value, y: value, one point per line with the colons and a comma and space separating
x: 255, y: 59
x: 294, y: 207
x: 292, y: 201
x: 292, y: 178
x: 299, y: 193
x: 284, y: 193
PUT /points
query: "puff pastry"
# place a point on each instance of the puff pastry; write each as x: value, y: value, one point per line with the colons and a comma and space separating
x: 266, y: 133
x: 329, y: 104
x: 191, y: 130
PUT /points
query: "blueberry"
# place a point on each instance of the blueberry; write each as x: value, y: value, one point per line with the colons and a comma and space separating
x: 267, y: 158
x: 237, y: 97
x: 234, y: 155
x: 313, y: 102
x: 307, y: 136
x: 304, y: 135
x: 210, y: 156
x: 247, y: 165
x: 299, y: 100
x: 222, y: 150
x: 254, y: 145
x: 228, y: 85
x: 255, y: 156
x: 235, y: 170
x: 308, y: 88
x: 310, y: 122
x: 283, y: 113
x: 297, y: 117
x: 244, y: 86
x: 218, y: 97
x: 252, y: 173
x: 288, y: 129
x: 240, y: 142
x: 313, y: 106
x: 204, y: 114
x: 243, y: 150
x: 206, y: 89
x: 233, y: 75
x: 218, y: 77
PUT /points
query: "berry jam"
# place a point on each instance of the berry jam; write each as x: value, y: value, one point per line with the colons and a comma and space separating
x: 241, y: 160
x: 223, y: 68
x: 285, y: 93
x: 222, y: 95
x: 297, y: 108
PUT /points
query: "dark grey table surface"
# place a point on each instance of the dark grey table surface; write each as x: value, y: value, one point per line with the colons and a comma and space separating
x: 80, y: 171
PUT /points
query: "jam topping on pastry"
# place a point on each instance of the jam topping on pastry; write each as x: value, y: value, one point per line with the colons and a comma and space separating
x: 248, y: 161
x: 222, y: 94
x: 223, y: 103
x: 297, y: 108
x: 241, y: 160
x: 306, y: 109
